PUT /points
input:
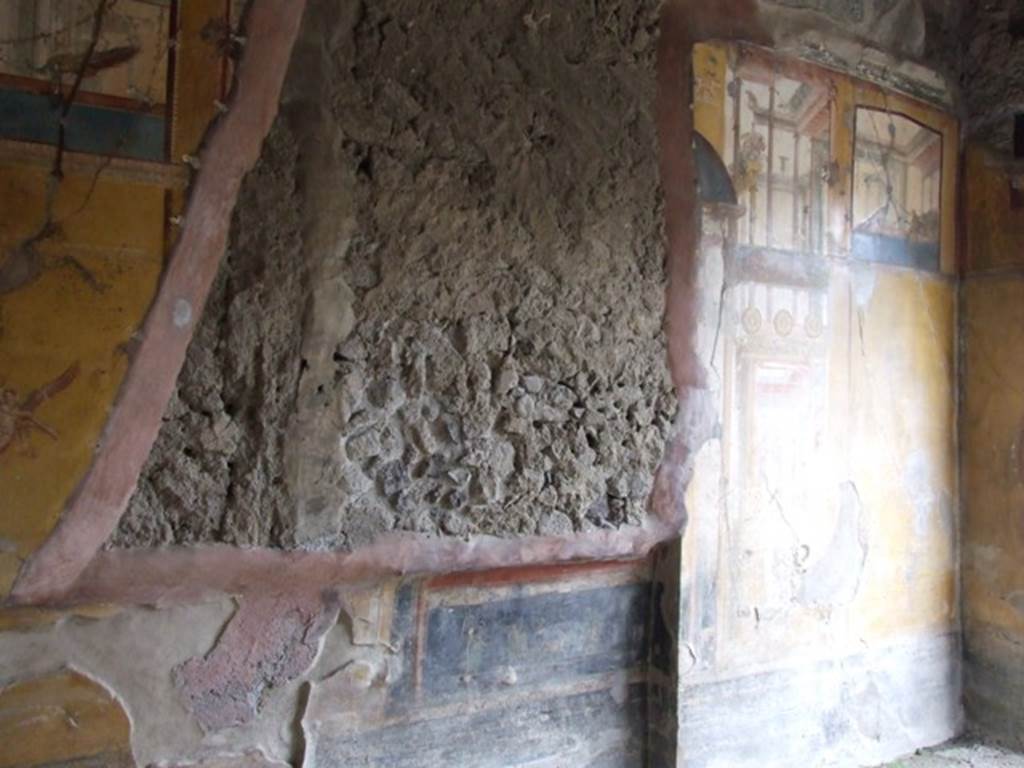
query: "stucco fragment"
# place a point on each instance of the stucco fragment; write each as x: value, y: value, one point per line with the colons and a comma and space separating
x: 269, y: 642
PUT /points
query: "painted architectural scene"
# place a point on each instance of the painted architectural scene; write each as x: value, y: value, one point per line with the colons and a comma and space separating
x: 897, y: 179
x: 778, y: 135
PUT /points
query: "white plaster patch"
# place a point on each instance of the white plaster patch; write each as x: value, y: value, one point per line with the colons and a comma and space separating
x: 920, y: 481
x: 182, y: 313
x: 863, y: 278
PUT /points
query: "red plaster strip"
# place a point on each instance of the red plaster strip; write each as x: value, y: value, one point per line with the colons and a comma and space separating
x: 233, y: 147
x: 189, y: 574
x: 536, y: 574
x: 683, y: 24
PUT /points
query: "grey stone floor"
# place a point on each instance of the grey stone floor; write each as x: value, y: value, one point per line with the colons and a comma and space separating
x: 961, y: 755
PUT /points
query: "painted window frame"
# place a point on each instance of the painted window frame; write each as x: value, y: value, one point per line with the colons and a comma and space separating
x: 711, y: 62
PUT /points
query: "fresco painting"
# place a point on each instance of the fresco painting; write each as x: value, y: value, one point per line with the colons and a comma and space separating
x: 74, y: 291
x: 778, y: 150
x: 112, y: 56
x: 822, y: 345
x: 897, y: 187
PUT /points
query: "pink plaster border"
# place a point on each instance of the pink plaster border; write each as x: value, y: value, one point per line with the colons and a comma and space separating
x: 231, y: 150
x: 70, y: 568
x: 187, y: 574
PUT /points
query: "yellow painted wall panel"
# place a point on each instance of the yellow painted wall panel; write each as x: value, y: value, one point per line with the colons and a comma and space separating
x: 903, y: 458
x: 710, y: 61
x: 992, y: 456
x: 59, y: 718
x: 827, y: 517
x: 74, y: 291
x: 68, y: 302
x: 199, y: 72
x: 824, y: 522
x: 995, y: 230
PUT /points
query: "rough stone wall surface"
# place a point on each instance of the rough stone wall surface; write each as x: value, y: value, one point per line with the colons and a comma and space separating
x: 441, y: 310
x: 896, y: 27
x: 943, y: 41
x: 993, y: 70
x: 215, y: 472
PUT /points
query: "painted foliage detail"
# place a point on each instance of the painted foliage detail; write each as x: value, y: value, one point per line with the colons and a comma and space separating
x: 24, y: 262
x: 52, y: 41
x: 17, y: 414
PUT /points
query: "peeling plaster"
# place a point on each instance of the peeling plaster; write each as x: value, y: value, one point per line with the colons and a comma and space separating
x: 353, y: 681
x: 130, y: 655
x: 834, y: 578
x: 269, y: 642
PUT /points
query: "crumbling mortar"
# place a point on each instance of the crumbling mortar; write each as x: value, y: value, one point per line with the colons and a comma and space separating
x: 504, y: 374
